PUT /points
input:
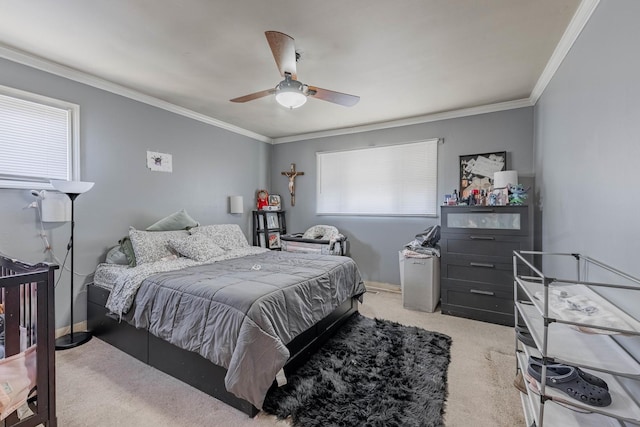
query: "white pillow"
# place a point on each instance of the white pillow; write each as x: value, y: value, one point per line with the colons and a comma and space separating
x: 152, y: 246
x: 197, y: 247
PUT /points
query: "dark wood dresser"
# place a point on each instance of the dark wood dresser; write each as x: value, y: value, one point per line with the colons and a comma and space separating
x: 477, y: 245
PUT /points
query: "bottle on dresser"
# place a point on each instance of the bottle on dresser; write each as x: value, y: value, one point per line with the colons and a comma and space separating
x: 454, y: 198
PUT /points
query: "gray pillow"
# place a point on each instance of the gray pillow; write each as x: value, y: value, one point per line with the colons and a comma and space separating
x: 176, y: 221
x: 116, y: 256
x: 197, y: 247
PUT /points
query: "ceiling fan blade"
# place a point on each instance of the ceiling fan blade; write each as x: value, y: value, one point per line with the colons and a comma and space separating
x: 284, y: 52
x: 253, y: 96
x: 332, y: 96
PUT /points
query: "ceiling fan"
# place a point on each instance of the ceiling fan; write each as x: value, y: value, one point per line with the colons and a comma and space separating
x: 290, y: 92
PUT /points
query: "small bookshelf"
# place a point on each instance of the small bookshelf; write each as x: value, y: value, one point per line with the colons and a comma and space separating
x: 268, y: 226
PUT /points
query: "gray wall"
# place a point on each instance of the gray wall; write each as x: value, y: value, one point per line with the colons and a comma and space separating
x: 375, y: 241
x: 587, y: 145
x: 209, y: 164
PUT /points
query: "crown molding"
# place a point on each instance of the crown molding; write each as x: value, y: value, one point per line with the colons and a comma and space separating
x: 453, y: 114
x: 577, y: 23
x: 85, y: 78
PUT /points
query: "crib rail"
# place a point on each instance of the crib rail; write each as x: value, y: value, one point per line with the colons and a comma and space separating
x: 27, y: 299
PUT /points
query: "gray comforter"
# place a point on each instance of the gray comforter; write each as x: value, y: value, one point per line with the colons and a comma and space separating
x: 241, y: 313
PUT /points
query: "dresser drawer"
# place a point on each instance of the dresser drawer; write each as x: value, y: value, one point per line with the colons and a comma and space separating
x: 479, y: 295
x: 470, y: 268
x: 477, y: 301
x: 496, y: 220
x: 489, y: 246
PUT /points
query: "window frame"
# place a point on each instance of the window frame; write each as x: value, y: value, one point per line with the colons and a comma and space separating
x: 436, y: 141
x: 73, y: 143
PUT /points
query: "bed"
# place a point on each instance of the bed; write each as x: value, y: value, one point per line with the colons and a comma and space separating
x: 225, y: 317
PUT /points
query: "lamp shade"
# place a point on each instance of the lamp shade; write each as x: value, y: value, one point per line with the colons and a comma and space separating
x: 71, y: 187
x: 236, y: 204
x: 504, y: 178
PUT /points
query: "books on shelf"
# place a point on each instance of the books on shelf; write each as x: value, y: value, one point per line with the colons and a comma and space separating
x: 272, y: 220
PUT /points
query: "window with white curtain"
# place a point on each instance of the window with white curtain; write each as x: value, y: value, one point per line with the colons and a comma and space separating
x: 389, y: 180
x: 38, y: 140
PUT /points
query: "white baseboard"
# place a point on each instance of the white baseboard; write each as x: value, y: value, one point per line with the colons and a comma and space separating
x: 382, y: 286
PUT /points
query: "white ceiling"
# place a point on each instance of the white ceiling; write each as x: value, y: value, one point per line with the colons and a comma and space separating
x: 405, y: 59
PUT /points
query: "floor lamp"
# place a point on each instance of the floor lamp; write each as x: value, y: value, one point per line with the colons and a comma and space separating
x: 72, y: 189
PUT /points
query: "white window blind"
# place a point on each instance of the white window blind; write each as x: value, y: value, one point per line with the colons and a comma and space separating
x: 36, y: 139
x: 390, y: 180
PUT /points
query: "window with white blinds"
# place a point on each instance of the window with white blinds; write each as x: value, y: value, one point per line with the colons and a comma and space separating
x: 37, y: 139
x: 391, y: 180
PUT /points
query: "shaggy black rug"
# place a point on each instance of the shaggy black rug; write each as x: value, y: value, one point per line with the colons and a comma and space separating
x: 371, y: 373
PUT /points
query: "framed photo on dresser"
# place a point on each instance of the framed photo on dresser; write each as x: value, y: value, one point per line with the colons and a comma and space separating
x: 274, y: 200
x: 476, y: 171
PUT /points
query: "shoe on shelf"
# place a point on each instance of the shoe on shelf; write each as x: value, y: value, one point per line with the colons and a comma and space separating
x: 524, y: 336
x: 518, y: 382
x: 534, y: 386
x: 590, y: 378
x: 566, y: 379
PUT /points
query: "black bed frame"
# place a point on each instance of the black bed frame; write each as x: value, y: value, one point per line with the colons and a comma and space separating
x: 190, y: 367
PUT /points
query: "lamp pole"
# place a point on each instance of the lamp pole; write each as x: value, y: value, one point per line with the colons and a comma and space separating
x: 70, y: 340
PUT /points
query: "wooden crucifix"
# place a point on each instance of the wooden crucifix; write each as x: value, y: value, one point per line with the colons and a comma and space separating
x: 291, y: 174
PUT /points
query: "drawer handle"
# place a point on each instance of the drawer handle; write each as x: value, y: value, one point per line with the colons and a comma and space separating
x: 482, y: 238
x: 482, y: 210
x: 481, y: 264
x: 476, y: 291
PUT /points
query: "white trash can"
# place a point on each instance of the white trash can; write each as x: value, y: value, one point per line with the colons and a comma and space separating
x: 420, y: 282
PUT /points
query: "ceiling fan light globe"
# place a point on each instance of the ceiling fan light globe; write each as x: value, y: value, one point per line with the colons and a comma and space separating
x: 291, y: 98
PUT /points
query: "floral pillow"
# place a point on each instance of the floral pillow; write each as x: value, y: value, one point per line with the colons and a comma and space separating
x: 152, y: 246
x: 227, y: 236
x: 197, y: 247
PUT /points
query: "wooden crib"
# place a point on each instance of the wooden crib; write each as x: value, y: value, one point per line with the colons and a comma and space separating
x: 27, y: 299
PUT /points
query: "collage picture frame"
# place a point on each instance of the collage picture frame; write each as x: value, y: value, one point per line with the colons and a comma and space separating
x: 476, y: 171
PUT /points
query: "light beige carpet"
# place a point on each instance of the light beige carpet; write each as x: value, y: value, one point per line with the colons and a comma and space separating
x: 100, y: 386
